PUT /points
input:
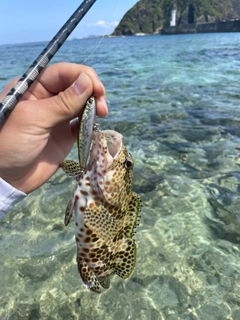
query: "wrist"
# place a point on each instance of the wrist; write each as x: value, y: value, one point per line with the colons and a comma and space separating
x: 8, y: 197
x: 17, y: 183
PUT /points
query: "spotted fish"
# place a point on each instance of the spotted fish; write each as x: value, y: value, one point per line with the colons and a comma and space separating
x: 106, y: 213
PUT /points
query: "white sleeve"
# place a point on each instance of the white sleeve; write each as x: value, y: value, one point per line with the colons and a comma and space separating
x: 8, y: 197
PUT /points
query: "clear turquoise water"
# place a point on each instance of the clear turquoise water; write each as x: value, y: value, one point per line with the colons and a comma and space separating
x: 176, y: 100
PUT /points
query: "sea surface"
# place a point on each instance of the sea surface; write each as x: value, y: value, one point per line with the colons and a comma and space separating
x: 176, y: 100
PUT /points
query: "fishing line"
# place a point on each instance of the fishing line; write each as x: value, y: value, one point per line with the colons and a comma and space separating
x: 100, y: 41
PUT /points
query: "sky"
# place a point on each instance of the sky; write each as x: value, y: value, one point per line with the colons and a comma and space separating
x: 32, y: 21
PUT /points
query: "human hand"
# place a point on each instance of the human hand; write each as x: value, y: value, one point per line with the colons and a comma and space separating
x: 38, y: 135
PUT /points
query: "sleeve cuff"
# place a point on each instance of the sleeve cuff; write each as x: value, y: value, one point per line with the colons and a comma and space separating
x: 8, y: 197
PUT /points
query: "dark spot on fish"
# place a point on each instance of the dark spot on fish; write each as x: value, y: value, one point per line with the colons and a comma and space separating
x: 94, y: 238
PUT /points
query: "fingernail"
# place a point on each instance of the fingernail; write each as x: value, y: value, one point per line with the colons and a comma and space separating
x: 81, y: 84
x: 101, y: 84
x: 104, y: 104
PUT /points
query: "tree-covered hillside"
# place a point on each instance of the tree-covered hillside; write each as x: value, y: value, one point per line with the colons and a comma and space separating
x: 149, y: 16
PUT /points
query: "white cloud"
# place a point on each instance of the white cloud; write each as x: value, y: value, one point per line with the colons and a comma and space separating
x: 114, y: 23
x: 101, y: 23
x: 104, y: 24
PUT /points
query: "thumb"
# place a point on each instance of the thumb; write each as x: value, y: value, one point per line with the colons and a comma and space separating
x: 67, y: 104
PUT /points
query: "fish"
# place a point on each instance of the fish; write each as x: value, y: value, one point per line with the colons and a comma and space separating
x: 107, y: 212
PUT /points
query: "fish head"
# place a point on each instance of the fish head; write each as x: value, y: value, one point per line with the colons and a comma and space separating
x: 112, y: 168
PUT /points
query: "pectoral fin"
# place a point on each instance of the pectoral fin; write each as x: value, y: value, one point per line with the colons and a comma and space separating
x: 72, y: 169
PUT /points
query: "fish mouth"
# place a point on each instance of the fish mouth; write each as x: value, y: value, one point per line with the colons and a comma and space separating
x: 106, y: 147
x: 114, y: 142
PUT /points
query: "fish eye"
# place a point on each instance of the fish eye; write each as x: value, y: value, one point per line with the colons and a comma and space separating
x: 128, y: 163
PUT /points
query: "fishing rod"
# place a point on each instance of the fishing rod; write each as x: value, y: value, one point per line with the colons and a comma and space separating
x: 23, y: 84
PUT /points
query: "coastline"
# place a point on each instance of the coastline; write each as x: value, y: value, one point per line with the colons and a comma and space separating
x: 222, y: 26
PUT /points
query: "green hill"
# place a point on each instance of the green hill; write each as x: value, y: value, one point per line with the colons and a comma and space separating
x: 150, y: 16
